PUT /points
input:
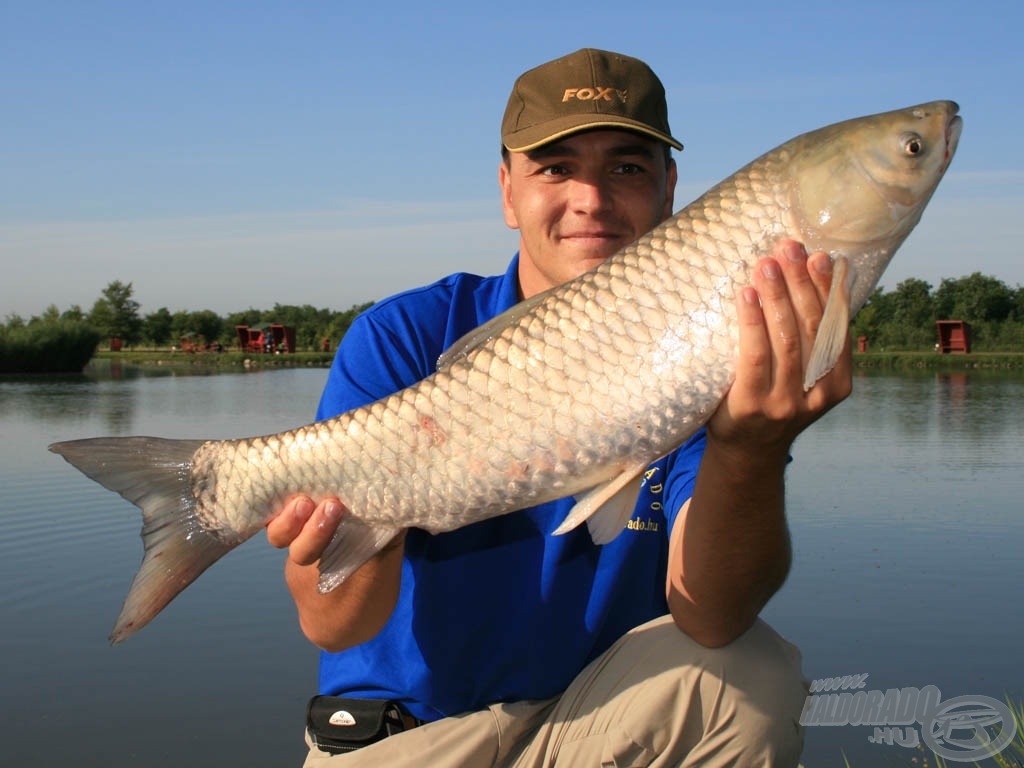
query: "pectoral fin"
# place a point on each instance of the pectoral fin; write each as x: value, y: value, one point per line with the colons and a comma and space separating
x: 835, y: 324
x: 353, y: 544
x: 606, y: 508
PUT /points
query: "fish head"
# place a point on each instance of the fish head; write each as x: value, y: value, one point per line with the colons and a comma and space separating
x: 860, y: 186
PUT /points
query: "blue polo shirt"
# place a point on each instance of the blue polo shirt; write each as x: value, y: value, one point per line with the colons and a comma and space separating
x: 499, y: 610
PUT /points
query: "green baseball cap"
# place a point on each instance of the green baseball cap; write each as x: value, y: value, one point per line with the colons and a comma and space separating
x: 584, y: 90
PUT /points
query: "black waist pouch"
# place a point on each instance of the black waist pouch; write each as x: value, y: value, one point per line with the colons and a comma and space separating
x: 337, y: 724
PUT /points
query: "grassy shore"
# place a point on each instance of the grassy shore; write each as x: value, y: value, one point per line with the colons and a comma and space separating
x: 233, y: 359
x: 227, y: 360
x: 933, y: 360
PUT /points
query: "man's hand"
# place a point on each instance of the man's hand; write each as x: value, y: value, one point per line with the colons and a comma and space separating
x: 767, y: 407
x: 305, y: 528
x: 356, y: 610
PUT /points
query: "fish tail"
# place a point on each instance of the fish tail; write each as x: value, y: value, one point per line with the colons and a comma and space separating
x: 155, y: 475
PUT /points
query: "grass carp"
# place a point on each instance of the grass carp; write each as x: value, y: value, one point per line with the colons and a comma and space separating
x: 572, y: 392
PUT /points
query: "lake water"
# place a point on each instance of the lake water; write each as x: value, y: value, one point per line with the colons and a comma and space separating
x: 905, y: 508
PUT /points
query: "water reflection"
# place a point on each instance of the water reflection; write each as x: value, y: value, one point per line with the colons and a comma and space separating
x: 986, y: 409
x: 103, y: 393
x: 905, y: 509
x: 68, y: 550
x: 906, y: 516
x: 68, y: 402
x: 119, y: 399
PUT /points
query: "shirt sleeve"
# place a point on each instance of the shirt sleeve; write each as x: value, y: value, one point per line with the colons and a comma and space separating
x: 372, y: 362
x: 681, y: 475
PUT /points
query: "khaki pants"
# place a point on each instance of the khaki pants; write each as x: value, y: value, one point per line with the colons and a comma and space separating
x: 654, y: 699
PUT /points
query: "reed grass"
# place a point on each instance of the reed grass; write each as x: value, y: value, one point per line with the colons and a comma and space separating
x: 58, y: 346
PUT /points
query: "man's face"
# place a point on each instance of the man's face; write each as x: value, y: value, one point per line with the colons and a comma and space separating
x: 577, y: 201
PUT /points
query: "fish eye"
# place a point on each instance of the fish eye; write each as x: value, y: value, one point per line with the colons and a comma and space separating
x: 912, y: 144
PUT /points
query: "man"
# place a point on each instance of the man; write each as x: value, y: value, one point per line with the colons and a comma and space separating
x: 517, y: 648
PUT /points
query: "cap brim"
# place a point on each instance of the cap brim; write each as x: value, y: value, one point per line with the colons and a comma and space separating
x: 553, y: 130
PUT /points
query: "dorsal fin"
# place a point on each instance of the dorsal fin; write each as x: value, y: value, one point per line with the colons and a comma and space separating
x: 490, y: 329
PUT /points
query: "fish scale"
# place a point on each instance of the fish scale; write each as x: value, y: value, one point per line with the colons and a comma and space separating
x: 573, y: 392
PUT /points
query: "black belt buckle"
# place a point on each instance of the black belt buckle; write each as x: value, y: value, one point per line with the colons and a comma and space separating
x: 339, y: 724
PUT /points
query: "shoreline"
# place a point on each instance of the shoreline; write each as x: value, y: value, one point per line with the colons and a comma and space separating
x: 940, y: 362
x: 237, y: 359
x: 228, y: 359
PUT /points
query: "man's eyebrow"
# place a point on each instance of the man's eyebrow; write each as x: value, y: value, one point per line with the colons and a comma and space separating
x: 643, y: 150
x: 559, y: 149
x: 551, y: 150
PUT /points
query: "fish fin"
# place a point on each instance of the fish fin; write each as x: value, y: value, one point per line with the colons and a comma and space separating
x: 835, y: 324
x: 607, y: 507
x: 354, y: 543
x: 154, y: 474
x: 490, y: 329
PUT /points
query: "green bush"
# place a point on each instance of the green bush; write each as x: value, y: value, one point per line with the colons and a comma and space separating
x: 55, y: 346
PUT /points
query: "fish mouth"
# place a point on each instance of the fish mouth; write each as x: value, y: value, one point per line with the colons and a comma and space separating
x: 954, y: 126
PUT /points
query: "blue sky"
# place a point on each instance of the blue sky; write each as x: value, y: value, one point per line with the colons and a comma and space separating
x: 222, y: 155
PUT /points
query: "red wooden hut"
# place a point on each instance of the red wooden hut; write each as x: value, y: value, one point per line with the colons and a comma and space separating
x: 954, y: 336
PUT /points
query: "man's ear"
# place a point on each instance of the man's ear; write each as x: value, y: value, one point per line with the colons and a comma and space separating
x: 671, y: 177
x: 505, y: 181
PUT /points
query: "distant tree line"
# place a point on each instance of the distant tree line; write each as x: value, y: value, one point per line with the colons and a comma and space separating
x: 904, y: 318
x: 115, y: 314
x: 901, y: 319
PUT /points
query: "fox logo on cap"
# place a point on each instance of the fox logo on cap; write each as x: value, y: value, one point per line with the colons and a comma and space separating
x: 597, y: 93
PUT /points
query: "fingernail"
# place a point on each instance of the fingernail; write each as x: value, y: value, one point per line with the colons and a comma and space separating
x: 332, y: 511
x: 304, y: 507
x: 750, y: 296
x: 795, y: 253
x: 822, y: 265
x: 770, y: 270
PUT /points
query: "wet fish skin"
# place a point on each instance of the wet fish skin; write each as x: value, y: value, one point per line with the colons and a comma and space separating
x: 573, y: 392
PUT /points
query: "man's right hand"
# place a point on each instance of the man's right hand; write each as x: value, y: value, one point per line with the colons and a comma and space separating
x: 353, y: 612
x: 305, y: 528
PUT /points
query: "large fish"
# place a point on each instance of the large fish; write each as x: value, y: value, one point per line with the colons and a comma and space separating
x: 573, y: 392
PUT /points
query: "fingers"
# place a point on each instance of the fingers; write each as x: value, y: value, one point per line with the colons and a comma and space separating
x: 778, y: 323
x: 804, y: 292
x: 821, y: 267
x: 283, y: 529
x: 754, y: 372
x: 780, y: 319
x: 807, y: 281
x: 305, y: 528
